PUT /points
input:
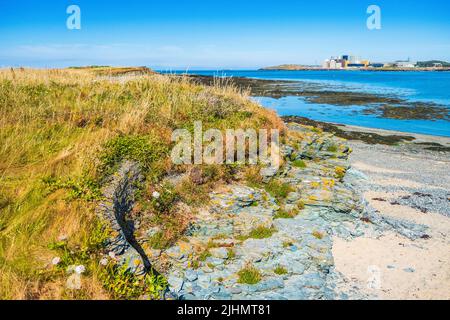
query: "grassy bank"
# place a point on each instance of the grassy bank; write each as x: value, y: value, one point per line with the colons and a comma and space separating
x: 62, y: 132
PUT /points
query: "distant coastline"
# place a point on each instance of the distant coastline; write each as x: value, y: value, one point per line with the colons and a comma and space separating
x: 296, y: 67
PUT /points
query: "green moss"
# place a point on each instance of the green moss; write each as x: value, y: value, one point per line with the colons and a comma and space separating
x: 249, y: 275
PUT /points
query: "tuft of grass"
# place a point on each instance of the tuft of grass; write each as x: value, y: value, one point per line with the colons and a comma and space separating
x: 280, y: 270
x: 332, y: 148
x: 231, y: 253
x: 287, y: 244
x: 278, y: 189
x: 249, y: 275
x: 339, y: 173
x: 260, y: 232
x: 318, y: 235
x: 299, y: 164
x: 283, y: 214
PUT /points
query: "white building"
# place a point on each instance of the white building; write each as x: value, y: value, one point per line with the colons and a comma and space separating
x: 405, y: 64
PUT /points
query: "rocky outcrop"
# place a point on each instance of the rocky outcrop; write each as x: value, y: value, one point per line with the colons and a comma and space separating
x: 119, y: 200
x: 286, y: 240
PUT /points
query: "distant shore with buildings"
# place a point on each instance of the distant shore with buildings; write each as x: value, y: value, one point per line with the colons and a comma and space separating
x: 349, y: 62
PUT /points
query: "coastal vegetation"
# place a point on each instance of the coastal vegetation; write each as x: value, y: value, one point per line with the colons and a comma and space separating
x: 63, y: 134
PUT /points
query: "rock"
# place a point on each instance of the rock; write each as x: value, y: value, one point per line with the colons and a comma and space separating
x: 175, y: 283
x: 286, y: 150
x: 191, y: 275
x: 268, y: 172
x: 207, y: 269
x: 235, y: 290
x: 270, y: 284
x: 293, y: 197
x: 174, y: 253
x: 214, y: 261
x: 221, y: 253
x: 204, y: 281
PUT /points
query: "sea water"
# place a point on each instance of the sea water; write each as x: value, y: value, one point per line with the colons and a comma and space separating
x: 411, y: 86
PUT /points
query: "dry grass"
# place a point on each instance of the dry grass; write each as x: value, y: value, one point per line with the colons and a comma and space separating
x: 54, y: 125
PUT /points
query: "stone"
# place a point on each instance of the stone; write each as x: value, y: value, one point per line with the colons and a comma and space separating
x: 221, y: 253
x: 214, y: 261
x: 191, y: 275
x: 175, y: 283
x: 268, y: 172
x: 204, y: 281
x: 235, y: 290
x: 293, y: 197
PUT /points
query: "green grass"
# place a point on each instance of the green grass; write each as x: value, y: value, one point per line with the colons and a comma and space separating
x: 231, y: 253
x: 332, y: 148
x: 299, y: 164
x: 63, y: 132
x: 280, y: 270
x: 260, y: 232
x: 249, y: 275
x: 278, y: 190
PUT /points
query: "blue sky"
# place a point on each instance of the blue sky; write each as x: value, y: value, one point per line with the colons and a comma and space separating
x: 216, y: 34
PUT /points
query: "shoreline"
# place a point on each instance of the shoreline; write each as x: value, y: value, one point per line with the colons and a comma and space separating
x: 375, y: 136
x: 367, y: 104
x: 420, y: 137
x: 360, y: 69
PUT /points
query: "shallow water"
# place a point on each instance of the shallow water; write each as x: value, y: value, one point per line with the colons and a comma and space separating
x: 410, y: 86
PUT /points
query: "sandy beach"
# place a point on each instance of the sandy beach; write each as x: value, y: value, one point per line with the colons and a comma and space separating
x: 409, y: 183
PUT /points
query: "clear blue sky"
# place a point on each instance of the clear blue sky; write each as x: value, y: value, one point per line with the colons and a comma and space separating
x: 217, y: 34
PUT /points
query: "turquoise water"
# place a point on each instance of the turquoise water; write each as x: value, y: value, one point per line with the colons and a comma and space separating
x: 411, y: 86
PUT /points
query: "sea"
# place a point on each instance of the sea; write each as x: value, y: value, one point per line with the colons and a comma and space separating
x: 411, y: 86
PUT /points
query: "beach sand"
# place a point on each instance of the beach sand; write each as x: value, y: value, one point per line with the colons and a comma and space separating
x: 412, y: 184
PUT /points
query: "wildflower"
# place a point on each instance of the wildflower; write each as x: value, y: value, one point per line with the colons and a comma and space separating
x: 80, y: 269
x: 112, y: 255
x: 156, y: 194
x: 56, y: 261
x: 104, y: 261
